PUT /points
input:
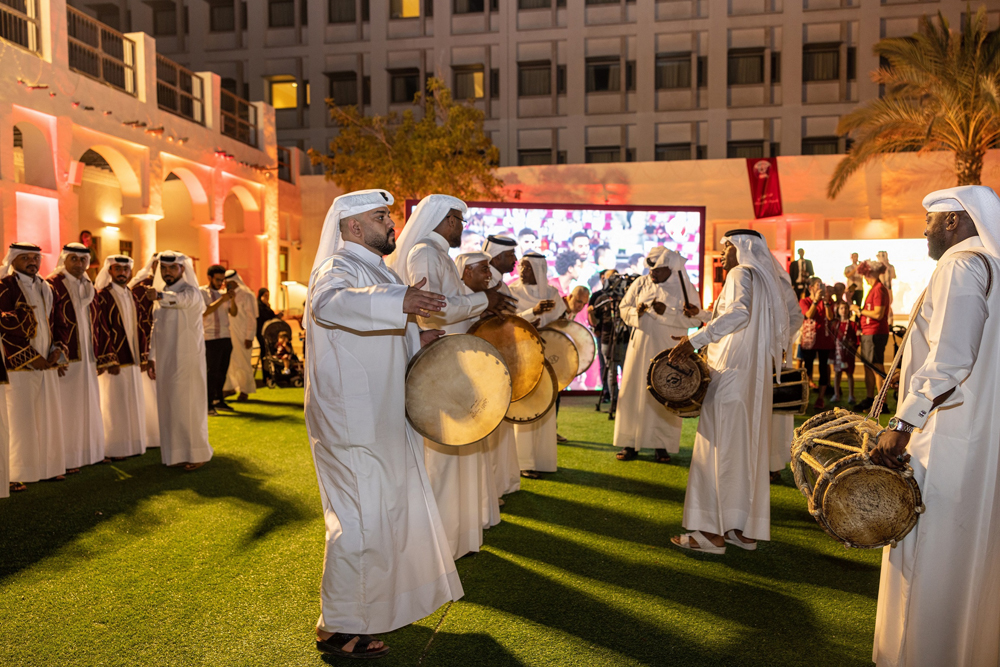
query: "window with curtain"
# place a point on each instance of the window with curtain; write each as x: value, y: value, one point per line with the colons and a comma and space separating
x: 221, y: 17
x: 470, y: 83
x: 342, y: 11
x: 469, y: 6
x: 746, y: 66
x: 343, y: 87
x: 673, y: 70
x: 672, y: 152
x: 820, y: 145
x: 821, y: 62
x: 603, y: 154
x: 404, y: 9
x: 404, y: 84
x: 604, y: 75
x: 745, y: 149
x: 281, y: 13
x: 534, y: 156
x: 534, y: 4
x: 534, y: 78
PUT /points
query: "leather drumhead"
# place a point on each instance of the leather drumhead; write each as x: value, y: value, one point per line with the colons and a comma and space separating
x: 561, y: 353
x: 520, y: 346
x: 457, y: 390
x: 586, y: 346
x: 539, y: 400
x: 675, y: 382
x: 870, y: 506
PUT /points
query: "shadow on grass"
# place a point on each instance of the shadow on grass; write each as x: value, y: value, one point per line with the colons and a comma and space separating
x: 51, y: 515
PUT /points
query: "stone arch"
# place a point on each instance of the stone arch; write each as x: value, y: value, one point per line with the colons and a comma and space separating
x: 33, y: 160
x: 201, y: 213
x: 124, y: 172
x: 240, y: 247
x: 250, y: 206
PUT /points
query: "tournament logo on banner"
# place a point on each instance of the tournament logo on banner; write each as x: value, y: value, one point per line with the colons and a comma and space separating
x: 765, y: 189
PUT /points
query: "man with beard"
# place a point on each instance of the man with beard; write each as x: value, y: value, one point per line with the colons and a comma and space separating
x: 242, y: 329
x: 657, y: 309
x: 387, y: 561
x: 465, y: 494
x: 139, y: 286
x: 220, y: 308
x: 119, y: 345
x: 31, y: 356
x: 500, y: 444
x: 79, y: 395
x: 541, y: 305
x: 728, y: 496
x: 177, y: 361
x: 938, y: 601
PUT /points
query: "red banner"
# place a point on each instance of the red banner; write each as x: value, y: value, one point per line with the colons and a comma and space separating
x: 765, y: 190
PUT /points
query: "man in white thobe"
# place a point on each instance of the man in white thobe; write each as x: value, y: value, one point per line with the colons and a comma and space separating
x: 177, y: 357
x: 242, y: 330
x: 728, y: 496
x: 118, y: 347
x: 783, y: 425
x: 658, y: 307
x: 79, y: 394
x: 387, y: 561
x: 500, y: 444
x: 540, y: 304
x: 139, y: 286
x: 36, y: 433
x: 465, y: 493
x: 938, y: 601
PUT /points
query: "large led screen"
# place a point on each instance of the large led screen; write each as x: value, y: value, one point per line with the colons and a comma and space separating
x: 580, y: 242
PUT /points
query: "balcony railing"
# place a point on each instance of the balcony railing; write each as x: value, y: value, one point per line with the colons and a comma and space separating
x: 100, y: 52
x: 179, y: 90
x: 19, y: 23
x: 285, y: 164
x: 239, y: 118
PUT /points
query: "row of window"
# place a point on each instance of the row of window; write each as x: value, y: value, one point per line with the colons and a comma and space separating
x: 677, y: 151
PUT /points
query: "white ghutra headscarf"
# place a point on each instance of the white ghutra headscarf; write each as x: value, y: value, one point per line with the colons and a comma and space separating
x: 345, y: 206
x: 982, y: 205
x: 427, y: 215
x: 145, y: 272
x: 87, y: 291
x: 168, y: 257
x: 17, y: 249
x: 752, y: 252
x: 540, y: 290
x: 104, y: 276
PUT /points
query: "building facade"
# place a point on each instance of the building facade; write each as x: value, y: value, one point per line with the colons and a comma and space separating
x: 560, y: 81
x: 102, y: 134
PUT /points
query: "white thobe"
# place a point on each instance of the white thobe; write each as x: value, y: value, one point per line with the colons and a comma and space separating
x: 79, y: 394
x: 783, y: 425
x: 500, y: 444
x: 536, y: 442
x: 728, y: 482
x: 387, y: 561
x: 152, y: 410
x: 461, y: 477
x: 123, y: 403
x: 36, y: 434
x: 938, y: 601
x: 242, y: 328
x: 641, y: 420
x: 178, y: 349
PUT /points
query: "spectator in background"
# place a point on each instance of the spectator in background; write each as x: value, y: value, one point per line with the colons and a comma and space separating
x: 568, y: 265
x: 801, y: 272
x: 818, y: 340
x: 838, y: 294
x: 874, y: 328
x: 264, y: 315
x: 600, y: 315
x: 471, y: 241
x: 848, y: 339
x: 605, y: 258
x: 887, y: 278
x: 219, y: 306
x: 527, y: 242
x: 855, y: 284
x: 637, y: 264
x: 577, y: 300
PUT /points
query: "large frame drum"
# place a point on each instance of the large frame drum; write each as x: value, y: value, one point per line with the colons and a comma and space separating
x: 562, y: 355
x: 457, y: 390
x: 583, y: 339
x: 538, y: 402
x: 681, y: 386
x: 859, y: 503
x: 520, y: 346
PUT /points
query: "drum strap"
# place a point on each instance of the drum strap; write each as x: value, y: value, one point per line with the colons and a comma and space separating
x: 880, y: 399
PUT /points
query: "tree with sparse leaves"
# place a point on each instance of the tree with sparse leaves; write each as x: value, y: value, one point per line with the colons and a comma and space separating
x: 942, y: 93
x: 444, y: 151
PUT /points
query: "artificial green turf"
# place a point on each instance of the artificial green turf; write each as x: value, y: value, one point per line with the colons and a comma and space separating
x: 133, y: 563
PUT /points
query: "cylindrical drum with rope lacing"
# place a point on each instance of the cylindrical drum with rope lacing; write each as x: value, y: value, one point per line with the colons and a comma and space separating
x: 857, y: 502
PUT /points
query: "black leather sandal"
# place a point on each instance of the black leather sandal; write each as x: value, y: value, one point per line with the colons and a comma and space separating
x: 626, y: 454
x: 334, y: 645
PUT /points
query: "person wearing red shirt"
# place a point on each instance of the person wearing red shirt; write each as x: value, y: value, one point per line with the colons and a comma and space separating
x: 874, y: 328
x: 817, y: 308
x: 847, y: 342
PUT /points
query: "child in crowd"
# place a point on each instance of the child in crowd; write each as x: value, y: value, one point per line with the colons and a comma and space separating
x: 848, y: 340
x: 283, y: 351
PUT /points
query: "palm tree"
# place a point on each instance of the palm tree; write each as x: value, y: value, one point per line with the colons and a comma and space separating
x: 942, y: 93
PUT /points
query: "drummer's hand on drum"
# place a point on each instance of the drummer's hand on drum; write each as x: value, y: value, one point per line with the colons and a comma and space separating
x: 543, y: 306
x: 891, y: 444
x: 659, y: 307
x: 419, y: 302
x: 691, y: 310
x: 500, y: 304
x: 682, y: 350
x: 429, y: 336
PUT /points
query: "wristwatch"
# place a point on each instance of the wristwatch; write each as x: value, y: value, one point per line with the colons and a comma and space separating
x: 897, y: 424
